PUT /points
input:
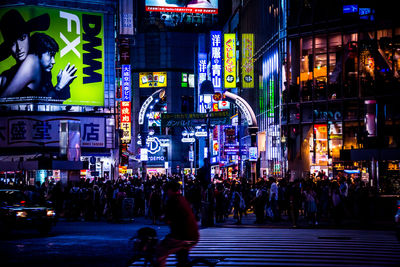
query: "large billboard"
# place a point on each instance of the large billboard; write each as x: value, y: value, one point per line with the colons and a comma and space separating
x: 51, y: 54
x: 183, y: 6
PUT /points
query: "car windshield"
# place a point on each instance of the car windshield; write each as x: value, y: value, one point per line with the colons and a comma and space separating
x: 12, y: 198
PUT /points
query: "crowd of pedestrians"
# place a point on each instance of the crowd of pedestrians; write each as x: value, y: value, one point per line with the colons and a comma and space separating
x: 272, y: 200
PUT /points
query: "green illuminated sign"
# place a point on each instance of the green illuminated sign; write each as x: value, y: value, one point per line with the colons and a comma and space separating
x: 75, y: 38
x: 271, y: 98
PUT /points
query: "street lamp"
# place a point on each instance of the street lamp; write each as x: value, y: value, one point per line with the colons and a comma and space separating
x: 207, y: 91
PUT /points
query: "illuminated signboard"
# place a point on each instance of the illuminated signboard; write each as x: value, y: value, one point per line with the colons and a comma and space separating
x: 191, y: 80
x: 44, y: 131
x: 126, y: 17
x: 152, y: 79
x: 247, y: 60
x: 271, y: 110
x: 350, y: 9
x: 144, y: 156
x: 184, y: 80
x: 216, y: 59
x: 230, y: 60
x: 215, y: 148
x: 183, y: 6
x: 126, y: 121
x: 76, y: 38
x: 155, y: 118
x: 126, y: 82
x: 253, y: 154
x: 224, y: 105
x: 202, y: 67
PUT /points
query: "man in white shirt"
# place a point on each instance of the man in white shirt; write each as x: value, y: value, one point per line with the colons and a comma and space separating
x: 273, y: 198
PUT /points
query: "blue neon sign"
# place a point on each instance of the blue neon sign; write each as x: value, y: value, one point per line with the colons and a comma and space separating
x: 126, y: 82
x: 216, y: 60
x: 350, y: 9
x: 202, y: 67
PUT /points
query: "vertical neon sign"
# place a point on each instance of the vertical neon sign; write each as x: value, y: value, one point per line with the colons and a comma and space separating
x: 230, y: 60
x: 202, y: 67
x: 202, y: 71
x: 126, y: 82
x: 247, y: 60
x: 216, y: 64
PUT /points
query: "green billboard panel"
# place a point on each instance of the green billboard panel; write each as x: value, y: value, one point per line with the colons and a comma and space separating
x: 51, y: 55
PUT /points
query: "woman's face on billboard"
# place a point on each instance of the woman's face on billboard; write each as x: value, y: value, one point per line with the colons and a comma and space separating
x: 20, y: 48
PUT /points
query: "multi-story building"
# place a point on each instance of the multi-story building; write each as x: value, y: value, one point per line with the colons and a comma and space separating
x: 326, y: 80
x: 342, y: 76
x: 57, y: 70
x: 165, y: 47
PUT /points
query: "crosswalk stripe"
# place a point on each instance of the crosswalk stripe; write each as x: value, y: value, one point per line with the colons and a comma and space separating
x: 300, y: 247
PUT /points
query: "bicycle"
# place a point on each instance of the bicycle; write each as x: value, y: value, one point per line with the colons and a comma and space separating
x: 144, y: 247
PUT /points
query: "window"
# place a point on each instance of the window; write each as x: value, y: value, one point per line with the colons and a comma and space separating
x: 320, y: 67
x: 335, y: 66
x: 350, y: 85
x: 306, y: 68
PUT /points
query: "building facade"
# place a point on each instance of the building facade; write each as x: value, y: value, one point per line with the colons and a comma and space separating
x: 52, y: 129
x: 326, y: 78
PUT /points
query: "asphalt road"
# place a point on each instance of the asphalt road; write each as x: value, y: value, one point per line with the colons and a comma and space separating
x: 107, y: 244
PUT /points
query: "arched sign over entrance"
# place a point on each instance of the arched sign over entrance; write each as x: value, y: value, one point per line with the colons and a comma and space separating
x: 146, y: 104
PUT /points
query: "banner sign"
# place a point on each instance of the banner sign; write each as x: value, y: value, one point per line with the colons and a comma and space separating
x: 247, y: 60
x: 126, y: 17
x: 76, y: 40
x: 126, y: 82
x: 216, y: 59
x: 230, y: 60
x: 194, y: 119
x: 152, y: 79
x: 202, y: 67
x: 179, y: 6
x: 45, y: 131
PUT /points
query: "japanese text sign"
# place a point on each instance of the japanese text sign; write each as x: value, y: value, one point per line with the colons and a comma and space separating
x: 125, y: 111
x: 152, y: 79
x: 247, y: 60
x: 216, y: 59
x: 202, y: 67
x: 126, y: 82
x: 230, y: 60
x: 44, y: 131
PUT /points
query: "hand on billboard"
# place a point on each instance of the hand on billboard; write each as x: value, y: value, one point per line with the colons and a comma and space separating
x: 66, y: 76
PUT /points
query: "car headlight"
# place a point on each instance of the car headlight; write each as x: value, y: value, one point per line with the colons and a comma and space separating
x: 21, y: 214
x: 51, y: 213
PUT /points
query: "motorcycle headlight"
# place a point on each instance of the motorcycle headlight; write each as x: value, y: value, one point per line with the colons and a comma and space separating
x: 51, y: 213
x: 21, y: 214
